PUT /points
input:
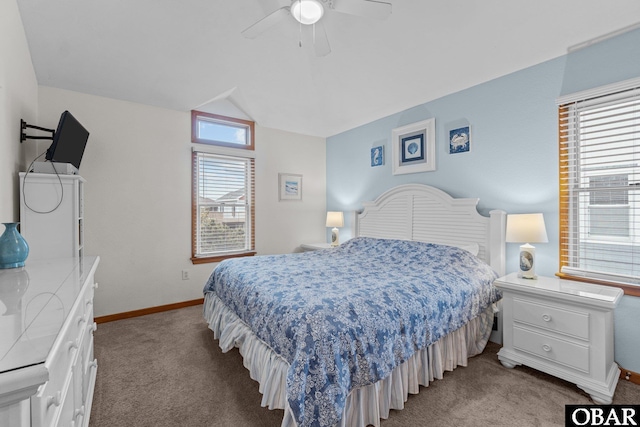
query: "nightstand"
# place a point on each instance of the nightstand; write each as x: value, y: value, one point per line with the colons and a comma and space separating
x: 563, y: 328
x: 315, y: 246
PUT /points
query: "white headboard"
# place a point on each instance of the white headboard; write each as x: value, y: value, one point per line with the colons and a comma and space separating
x: 423, y: 213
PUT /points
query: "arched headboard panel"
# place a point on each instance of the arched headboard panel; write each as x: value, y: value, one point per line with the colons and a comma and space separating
x: 423, y: 213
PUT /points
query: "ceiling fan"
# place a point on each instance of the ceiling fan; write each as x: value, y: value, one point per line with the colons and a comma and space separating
x: 310, y: 13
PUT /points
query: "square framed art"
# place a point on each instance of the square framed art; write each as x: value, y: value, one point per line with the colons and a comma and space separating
x: 414, y: 147
x: 289, y: 186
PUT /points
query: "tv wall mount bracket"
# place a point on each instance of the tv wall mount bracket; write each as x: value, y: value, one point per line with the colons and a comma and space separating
x: 23, y: 136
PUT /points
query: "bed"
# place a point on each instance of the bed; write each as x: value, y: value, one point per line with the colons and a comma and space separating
x: 342, y: 336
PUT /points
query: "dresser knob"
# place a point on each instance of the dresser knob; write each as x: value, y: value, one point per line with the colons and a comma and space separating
x: 54, y: 400
x: 71, y: 345
x: 546, y: 318
x: 546, y: 348
x: 81, y: 319
x: 79, y: 412
x: 95, y: 285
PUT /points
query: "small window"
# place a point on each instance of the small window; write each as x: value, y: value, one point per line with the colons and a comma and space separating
x: 213, y: 129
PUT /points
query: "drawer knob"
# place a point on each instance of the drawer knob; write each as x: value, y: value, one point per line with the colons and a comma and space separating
x: 93, y: 363
x: 54, y: 400
x: 81, y: 319
x: 546, y: 347
x: 95, y: 285
x: 72, y: 345
x: 78, y: 412
x: 546, y: 318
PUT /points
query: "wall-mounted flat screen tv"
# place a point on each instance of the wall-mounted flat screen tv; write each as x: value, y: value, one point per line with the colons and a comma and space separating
x: 69, y: 141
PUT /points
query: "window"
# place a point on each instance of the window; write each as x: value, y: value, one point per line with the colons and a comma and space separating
x: 223, y: 131
x: 600, y: 186
x: 609, y: 207
x: 223, y: 190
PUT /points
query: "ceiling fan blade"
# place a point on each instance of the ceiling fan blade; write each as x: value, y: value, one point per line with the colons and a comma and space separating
x: 368, y: 8
x: 265, y: 23
x: 321, y: 41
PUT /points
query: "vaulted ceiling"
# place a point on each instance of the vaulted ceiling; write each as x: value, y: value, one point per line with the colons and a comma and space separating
x: 188, y: 54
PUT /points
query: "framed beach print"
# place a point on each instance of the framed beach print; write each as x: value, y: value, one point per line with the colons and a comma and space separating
x: 414, y: 147
x: 460, y: 140
x: 289, y: 186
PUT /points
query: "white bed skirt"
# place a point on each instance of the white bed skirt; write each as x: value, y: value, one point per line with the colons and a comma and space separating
x: 366, y: 405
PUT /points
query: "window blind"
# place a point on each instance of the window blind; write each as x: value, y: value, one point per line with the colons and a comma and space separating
x: 600, y: 187
x: 223, y: 204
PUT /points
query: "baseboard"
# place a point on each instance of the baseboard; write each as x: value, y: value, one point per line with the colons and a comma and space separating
x: 150, y: 310
x: 630, y: 376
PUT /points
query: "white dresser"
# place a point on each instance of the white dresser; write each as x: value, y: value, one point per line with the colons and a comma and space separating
x: 47, y: 367
x: 52, y: 214
x: 563, y: 328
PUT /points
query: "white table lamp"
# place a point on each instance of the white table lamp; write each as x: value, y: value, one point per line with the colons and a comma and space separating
x: 335, y: 220
x: 527, y: 229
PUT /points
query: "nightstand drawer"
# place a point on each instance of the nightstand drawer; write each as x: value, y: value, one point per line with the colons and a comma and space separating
x: 556, y: 319
x: 566, y: 353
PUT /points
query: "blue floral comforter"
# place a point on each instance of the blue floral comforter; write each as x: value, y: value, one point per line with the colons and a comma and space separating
x: 346, y: 317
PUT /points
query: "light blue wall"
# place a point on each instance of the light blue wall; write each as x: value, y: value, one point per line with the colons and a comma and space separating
x: 513, y: 162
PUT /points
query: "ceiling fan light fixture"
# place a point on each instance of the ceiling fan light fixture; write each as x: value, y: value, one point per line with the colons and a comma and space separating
x: 307, y: 11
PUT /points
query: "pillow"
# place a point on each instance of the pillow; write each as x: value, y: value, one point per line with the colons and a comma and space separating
x: 474, y: 248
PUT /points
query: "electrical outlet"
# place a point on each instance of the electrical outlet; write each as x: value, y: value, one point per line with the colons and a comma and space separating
x: 185, y: 275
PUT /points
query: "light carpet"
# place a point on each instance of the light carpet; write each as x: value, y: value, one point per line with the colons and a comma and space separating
x: 165, y: 369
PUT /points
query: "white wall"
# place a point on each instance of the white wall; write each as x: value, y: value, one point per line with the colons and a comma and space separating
x: 138, y: 197
x: 18, y: 99
x: 283, y: 226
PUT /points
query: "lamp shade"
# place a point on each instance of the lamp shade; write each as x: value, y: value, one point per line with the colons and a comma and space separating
x: 335, y: 219
x: 526, y: 228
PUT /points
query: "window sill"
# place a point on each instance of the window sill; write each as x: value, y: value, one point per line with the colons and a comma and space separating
x: 222, y: 257
x: 628, y: 289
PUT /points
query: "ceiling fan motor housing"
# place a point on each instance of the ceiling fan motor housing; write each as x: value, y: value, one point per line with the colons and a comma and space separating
x: 307, y: 12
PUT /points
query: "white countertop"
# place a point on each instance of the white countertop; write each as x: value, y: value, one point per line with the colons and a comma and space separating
x: 548, y: 285
x: 34, y: 302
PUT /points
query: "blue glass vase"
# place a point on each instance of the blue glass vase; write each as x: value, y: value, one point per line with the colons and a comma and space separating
x: 13, y: 248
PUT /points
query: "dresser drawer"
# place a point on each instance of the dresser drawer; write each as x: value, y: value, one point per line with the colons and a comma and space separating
x: 79, y: 398
x: 86, y: 360
x: 87, y: 302
x: 65, y: 416
x: 553, y: 349
x: 51, y: 401
x: 54, y: 403
x: 556, y: 319
x: 50, y: 396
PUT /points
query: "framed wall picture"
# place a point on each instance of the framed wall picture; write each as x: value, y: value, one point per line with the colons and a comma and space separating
x: 414, y: 147
x: 289, y: 186
x: 460, y: 140
x: 377, y: 156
